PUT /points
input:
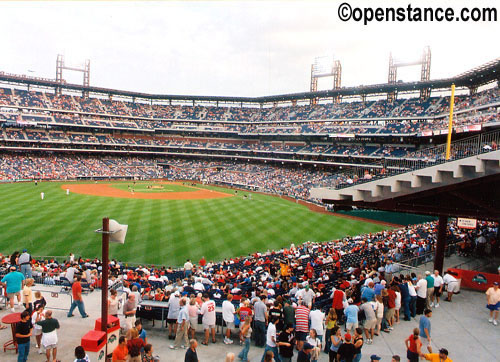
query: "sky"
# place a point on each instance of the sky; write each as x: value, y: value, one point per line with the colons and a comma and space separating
x: 231, y: 48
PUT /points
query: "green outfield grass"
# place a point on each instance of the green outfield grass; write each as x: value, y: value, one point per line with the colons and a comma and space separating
x: 160, y: 231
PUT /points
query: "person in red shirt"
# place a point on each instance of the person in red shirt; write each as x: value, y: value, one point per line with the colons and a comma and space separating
x: 134, y: 346
x: 120, y: 353
x: 338, y: 305
x: 77, y: 298
x: 391, y: 306
x: 202, y: 262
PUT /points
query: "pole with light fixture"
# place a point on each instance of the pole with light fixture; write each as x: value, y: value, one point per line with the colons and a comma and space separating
x: 114, y: 232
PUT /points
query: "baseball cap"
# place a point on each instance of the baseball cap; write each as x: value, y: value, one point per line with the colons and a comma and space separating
x: 307, y: 346
x: 495, y: 283
x: 350, y: 301
x: 25, y: 250
x: 347, y: 337
x: 427, y: 273
x: 443, y: 351
x: 374, y: 357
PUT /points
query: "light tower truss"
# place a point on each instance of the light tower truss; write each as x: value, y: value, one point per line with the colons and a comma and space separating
x: 60, y: 65
x: 326, y: 67
x: 425, y: 73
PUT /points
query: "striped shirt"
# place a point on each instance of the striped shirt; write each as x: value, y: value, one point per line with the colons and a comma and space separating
x: 302, y: 319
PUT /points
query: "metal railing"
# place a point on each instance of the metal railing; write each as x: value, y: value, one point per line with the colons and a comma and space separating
x: 468, y: 147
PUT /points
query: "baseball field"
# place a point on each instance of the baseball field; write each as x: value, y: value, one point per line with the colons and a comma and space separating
x: 168, y: 222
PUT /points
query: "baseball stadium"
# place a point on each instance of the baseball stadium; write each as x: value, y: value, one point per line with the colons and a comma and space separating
x: 299, y: 202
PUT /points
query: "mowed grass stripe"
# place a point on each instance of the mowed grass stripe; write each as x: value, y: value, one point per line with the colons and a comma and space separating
x: 161, y: 231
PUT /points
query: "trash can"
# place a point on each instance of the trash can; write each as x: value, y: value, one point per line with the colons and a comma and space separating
x: 94, y: 344
x: 113, y: 331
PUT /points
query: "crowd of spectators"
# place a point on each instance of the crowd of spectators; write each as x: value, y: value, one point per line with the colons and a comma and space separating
x: 107, y: 113
x: 301, y: 295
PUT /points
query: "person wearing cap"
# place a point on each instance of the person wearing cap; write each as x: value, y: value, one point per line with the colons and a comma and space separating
x: 493, y: 300
x: 25, y: 264
x: 174, y: 308
x: 347, y: 350
x: 305, y: 354
x: 351, y: 313
x: 13, y: 281
x: 374, y: 357
x: 442, y: 356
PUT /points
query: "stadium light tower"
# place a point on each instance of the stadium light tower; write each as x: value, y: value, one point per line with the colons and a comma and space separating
x: 60, y: 65
x: 322, y: 67
x: 425, y: 73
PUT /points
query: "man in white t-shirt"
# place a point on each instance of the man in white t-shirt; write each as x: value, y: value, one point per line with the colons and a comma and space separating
x: 421, y: 288
x: 271, y: 339
x: 228, y: 316
x: 208, y: 320
x: 317, y: 318
x: 451, y: 285
x: 438, y: 288
x: 188, y: 268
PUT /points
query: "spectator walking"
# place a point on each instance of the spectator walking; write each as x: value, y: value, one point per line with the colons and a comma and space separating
x: 191, y: 355
x: 24, y: 330
x: 76, y: 289
x: 49, y: 335
x: 370, y: 321
x: 182, y: 334
x: 13, y: 282
x: 493, y: 302
x: 413, y: 346
x: 314, y: 341
x: 245, y: 336
x: 425, y: 329
x: 442, y: 356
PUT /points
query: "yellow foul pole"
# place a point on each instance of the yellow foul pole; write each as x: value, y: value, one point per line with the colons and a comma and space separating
x: 450, y: 123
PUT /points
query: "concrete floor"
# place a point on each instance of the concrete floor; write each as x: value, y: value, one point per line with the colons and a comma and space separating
x: 461, y: 326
